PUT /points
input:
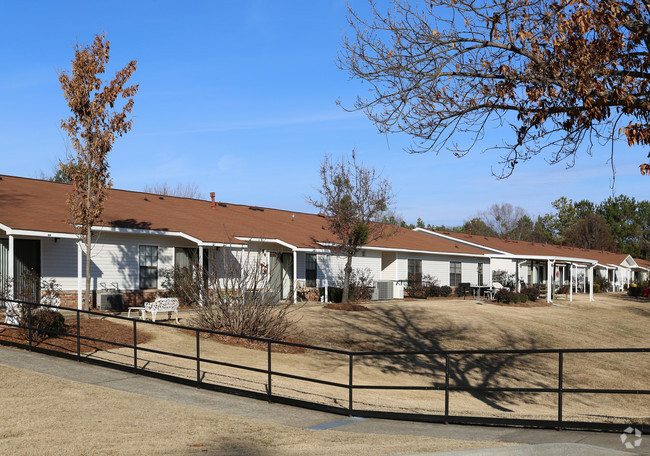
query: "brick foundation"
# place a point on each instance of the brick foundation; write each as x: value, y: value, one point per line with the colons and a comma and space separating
x: 131, y: 297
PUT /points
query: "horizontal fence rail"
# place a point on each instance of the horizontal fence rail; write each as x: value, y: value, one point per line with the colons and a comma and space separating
x: 353, y: 357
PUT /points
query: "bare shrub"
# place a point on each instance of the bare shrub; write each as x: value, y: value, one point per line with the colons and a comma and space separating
x: 236, y: 295
x: 361, y: 283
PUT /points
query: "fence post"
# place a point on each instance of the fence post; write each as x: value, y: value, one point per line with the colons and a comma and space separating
x: 269, y: 393
x: 78, y: 336
x: 350, y: 383
x: 135, y: 347
x: 560, y: 374
x: 198, y: 361
x: 29, y: 323
x: 446, y: 388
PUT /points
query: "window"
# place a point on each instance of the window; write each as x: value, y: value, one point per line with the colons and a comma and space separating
x: 185, y: 257
x: 414, y: 272
x: 454, y: 273
x: 479, y: 270
x: 148, y: 266
x: 311, y: 270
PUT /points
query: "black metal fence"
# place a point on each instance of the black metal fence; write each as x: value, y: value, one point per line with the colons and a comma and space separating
x: 354, y: 357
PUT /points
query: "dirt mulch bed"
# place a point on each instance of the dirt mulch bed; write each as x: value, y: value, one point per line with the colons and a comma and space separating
x: 253, y: 344
x: 347, y: 307
x: 521, y: 304
x: 95, y: 328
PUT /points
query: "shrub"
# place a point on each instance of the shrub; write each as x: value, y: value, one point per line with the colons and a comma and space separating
x: 45, y: 323
x: 532, y: 293
x: 361, y: 284
x: 445, y: 290
x: 181, y: 282
x: 504, y: 295
x: 433, y: 291
x: 422, y: 287
x: 519, y: 297
x: 602, y: 282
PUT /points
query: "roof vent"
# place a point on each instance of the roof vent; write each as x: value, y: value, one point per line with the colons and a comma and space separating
x: 320, y: 214
x: 213, y: 205
x: 293, y: 217
x: 222, y: 204
x: 470, y: 231
x: 145, y: 198
x: 161, y: 198
x: 255, y: 208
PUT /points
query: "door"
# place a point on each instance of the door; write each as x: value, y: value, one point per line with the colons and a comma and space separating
x: 281, y: 270
x: 27, y: 269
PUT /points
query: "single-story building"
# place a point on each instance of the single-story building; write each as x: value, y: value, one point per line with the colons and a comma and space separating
x: 142, y: 234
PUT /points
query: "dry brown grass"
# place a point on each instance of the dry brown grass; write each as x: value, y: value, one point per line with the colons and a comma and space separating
x: 611, y: 321
x: 42, y: 415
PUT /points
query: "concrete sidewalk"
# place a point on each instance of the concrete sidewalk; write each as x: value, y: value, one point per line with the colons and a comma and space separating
x: 590, y: 442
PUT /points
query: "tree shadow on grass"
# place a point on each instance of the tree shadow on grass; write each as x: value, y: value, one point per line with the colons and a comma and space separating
x: 396, y: 329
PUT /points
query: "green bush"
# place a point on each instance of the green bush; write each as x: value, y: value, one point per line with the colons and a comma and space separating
x: 445, y: 291
x: 602, y: 282
x: 519, y: 297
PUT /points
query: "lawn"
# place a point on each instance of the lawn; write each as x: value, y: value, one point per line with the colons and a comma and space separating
x: 43, y: 414
x: 614, y: 320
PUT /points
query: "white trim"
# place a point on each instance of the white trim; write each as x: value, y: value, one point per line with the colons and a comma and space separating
x: 157, y: 266
x: 47, y: 234
x: 268, y: 240
x: 428, y: 252
x: 149, y: 232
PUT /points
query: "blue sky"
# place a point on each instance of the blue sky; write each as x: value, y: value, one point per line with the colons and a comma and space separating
x: 239, y: 98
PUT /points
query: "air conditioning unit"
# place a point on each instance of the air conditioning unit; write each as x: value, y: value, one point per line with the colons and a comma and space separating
x: 383, y: 291
x: 110, y: 301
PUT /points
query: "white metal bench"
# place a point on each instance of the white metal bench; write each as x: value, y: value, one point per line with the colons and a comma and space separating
x: 169, y: 305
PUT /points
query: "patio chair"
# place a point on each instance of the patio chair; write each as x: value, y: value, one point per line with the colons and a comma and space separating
x: 13, y: 312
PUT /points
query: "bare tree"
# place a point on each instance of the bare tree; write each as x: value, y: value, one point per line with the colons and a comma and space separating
x: 502, y: 218
x: 553, y: 74
x: 181, y: 190
x: 353, y: 198
x: 93, y: 126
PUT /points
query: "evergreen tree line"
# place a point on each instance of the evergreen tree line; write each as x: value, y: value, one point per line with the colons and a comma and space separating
x: 617, y: 224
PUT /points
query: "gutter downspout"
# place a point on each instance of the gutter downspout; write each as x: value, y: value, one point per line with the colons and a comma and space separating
x: 591, y: 283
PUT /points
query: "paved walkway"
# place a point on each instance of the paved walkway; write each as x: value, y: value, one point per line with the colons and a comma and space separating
x: 606, y: 443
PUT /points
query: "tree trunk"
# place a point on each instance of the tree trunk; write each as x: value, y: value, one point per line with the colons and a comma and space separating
x: 346, y: 281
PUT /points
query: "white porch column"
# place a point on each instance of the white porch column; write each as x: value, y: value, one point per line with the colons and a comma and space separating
x: 10, y: 266
x: 295, y: 276
x: 591, y: 283
x: 79, y: 275
x: 517, y: 281
x: 201, y: 275
x: 489, y: 284
x: 549, y: 277
x: 584, y: 280
x: 570, y: 282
